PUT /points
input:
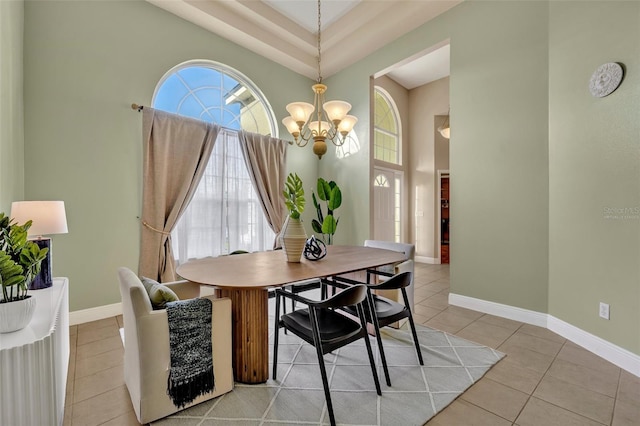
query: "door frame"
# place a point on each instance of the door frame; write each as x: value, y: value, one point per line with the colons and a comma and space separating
x: 441, y: 173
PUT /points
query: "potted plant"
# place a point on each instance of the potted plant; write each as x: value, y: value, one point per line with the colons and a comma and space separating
x: 326, y: 224
x: 293, y: 234
x: 20, y: 261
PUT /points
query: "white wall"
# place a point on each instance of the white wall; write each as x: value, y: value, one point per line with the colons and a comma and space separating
x: 425, y: 103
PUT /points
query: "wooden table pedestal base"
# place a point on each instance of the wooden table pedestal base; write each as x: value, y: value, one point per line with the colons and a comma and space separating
x: 250, y: 316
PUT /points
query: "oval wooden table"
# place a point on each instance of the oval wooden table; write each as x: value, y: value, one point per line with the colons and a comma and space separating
x: 245, y: 279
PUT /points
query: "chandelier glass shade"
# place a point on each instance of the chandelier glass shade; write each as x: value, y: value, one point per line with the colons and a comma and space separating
x: 445, y: 129
x: 330, y: 121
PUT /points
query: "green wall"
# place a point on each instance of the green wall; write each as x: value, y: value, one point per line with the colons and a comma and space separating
x: 498, y: 147
x: 85, y: 63
x: 534, y: 159
x: 594, y: 167
x: 11, y: 101
x: 499, y: 154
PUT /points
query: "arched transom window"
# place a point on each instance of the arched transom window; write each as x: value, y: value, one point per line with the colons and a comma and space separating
x: 386, y: 128
x: 216, y: 93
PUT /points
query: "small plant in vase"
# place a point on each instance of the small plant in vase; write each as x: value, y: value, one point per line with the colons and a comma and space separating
x: 20, y: 261
x: 293, y: 234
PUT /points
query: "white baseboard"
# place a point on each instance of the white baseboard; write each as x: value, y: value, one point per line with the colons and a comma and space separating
x: 429, y: 260
x: 616, y: 355
x: 500, y: 310
x: 94, y: 314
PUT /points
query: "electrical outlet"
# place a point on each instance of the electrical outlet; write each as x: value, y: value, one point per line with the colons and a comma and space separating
x: 604, y: 310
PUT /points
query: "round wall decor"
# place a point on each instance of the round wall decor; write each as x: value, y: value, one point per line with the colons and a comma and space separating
x: 605, y: 79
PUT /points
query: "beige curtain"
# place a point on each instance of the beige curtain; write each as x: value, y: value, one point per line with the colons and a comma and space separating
x: 176, y: 152
x: 265, y: 158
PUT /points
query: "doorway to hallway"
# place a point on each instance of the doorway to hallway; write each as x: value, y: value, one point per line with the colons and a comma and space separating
x: 444, y: 196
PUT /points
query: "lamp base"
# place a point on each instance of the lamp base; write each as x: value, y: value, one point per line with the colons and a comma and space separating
x: 43, y: 279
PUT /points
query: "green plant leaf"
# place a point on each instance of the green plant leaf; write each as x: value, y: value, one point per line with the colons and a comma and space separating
x: 336, y: 198
x: 315, y: 225
x: 326, y: 189
x: 11, y: 273
x: 320, y: 188
x: 329, y: 225
x: 293, y: 193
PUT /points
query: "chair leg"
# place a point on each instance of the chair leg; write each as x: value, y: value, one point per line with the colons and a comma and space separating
x: 413, y: 327
x: 415, y: 339
x: 369, y: 350
x: 323, y: 370
x: 276, y: 336
x: 325, y: 385
x: 376, y: 325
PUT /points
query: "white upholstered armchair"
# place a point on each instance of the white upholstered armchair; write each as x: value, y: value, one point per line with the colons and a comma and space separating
x: 146, y: 347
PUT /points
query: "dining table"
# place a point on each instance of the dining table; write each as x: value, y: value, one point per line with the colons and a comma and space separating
x: 246, y: 279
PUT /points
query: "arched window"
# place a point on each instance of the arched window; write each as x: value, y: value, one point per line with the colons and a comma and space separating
x: 381, y: 180
x: 386, y: 128
x: 225, y: 213
x: 216, y: 93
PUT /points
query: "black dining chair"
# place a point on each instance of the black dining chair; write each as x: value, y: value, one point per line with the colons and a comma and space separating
x: 323, y: 327
x: 385, y: 311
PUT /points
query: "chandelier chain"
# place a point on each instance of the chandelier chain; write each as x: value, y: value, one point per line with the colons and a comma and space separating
x: 319, y: 54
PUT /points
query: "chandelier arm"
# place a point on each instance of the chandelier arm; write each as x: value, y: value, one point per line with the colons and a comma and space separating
x: 305, y: 135
x: 302, y: 142
x: 332, y: 133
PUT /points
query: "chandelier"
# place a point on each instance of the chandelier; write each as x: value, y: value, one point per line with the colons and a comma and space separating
x: 445, y: 129
x: 331, y: 119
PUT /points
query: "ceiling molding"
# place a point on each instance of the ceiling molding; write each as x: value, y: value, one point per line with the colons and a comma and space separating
x: 262, y: 29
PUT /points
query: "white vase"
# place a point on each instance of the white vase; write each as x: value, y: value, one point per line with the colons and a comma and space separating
x: 16, y: 315
x: 293, y: 239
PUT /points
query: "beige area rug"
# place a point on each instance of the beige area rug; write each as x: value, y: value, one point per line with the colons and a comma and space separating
x: 416, y: 394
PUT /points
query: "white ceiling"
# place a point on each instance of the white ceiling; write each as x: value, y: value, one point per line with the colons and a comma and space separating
x: 285, y: 31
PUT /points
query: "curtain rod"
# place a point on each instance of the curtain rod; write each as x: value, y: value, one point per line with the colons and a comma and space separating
x: 139, y: 108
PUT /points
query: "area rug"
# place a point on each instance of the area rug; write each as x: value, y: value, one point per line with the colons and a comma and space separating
x: 417, y: 393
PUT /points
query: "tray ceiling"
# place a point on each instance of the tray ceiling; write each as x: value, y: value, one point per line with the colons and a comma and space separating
x: 285, y: 30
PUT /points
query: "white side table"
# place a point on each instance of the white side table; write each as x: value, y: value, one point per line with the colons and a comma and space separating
x: 34, y: 362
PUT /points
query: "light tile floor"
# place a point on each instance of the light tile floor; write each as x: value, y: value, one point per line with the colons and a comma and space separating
x: 545, y: 380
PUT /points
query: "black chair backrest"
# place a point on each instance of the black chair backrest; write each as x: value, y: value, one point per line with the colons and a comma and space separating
x: 400, y: 280
x: 347, y: 297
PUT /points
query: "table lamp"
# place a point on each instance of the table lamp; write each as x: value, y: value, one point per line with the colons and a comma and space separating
x: 48, y: 218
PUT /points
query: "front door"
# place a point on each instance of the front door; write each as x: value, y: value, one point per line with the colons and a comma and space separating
x: 386, y: 201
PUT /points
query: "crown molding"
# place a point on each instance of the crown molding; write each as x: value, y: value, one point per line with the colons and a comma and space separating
x: 263, y: 30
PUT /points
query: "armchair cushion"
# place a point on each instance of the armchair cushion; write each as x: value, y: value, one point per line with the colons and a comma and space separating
x: 159, y: 294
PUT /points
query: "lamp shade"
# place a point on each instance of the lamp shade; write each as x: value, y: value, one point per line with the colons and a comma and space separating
x: 48, y: 217
x: 319, y: 128
x: 347, y: 123
x: 291, y: 125
x: 336, y: 110
x: 300, y: 111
